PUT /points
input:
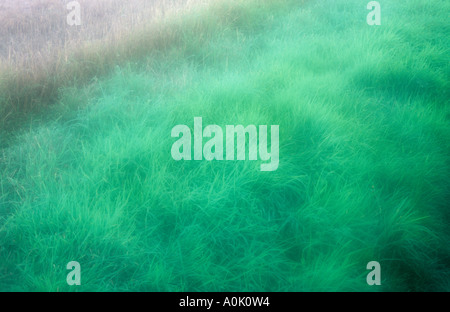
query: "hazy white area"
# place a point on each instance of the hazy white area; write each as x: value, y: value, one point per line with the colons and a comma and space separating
x: 29, y: 28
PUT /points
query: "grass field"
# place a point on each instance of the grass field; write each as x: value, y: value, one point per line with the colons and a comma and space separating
x: 363, y: 111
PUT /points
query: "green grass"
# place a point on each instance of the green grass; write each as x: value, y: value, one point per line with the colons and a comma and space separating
x: 363, y: 174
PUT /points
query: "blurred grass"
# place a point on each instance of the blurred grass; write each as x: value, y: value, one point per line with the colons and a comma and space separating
x: 364, y: 156
x: 41, y: 54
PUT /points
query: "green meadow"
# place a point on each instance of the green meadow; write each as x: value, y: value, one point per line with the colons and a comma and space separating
x: 86, y: 172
